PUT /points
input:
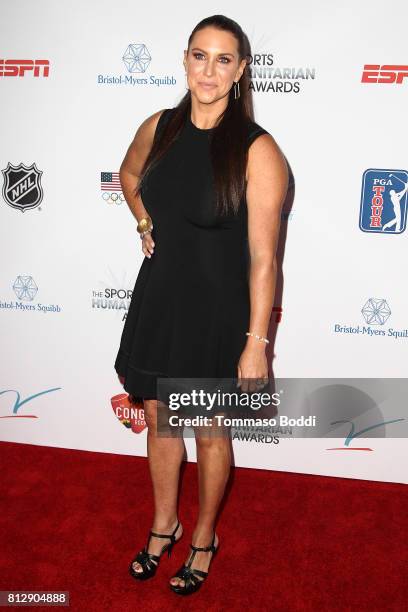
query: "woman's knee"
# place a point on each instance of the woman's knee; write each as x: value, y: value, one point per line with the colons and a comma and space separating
x: 150, y: 413
x: 212, y: 440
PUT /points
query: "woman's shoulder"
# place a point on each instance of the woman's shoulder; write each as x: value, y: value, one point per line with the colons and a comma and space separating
x: 255, y: 130
x: 165, y: 113
x: 152, y: 126
x: 164, y: 116
x: 269, y: 153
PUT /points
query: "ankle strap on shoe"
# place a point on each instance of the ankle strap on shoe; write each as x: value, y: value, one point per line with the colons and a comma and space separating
x: 161, y: 535
x: 205, y: 548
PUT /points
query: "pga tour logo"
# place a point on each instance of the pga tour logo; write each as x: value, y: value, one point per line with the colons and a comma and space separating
x: 383, y: 207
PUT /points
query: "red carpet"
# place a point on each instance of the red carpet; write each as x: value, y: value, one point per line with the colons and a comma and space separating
x: 72, y: 520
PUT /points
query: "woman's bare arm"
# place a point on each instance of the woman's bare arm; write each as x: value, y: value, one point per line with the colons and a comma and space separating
x: 132, y: 164
x: 266, y: 191
x: 131, y: 169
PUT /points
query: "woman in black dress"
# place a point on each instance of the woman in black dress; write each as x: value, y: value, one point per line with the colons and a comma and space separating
x: 206, y: 185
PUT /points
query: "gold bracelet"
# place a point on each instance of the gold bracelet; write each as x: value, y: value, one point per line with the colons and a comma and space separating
x: 144, y: 224
x: 259, y: 337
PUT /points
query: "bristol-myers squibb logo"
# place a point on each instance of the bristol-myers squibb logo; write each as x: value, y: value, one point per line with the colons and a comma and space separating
x: 375, y: 313
x: 136, y: 60
x: 26, y: 289
x: 383, y: 207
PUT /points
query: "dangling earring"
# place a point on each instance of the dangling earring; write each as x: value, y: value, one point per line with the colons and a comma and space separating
x: 186, y: 82
x: 236, y: 90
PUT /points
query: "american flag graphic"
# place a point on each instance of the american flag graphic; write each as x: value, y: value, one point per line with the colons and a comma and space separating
x: 110, y: 181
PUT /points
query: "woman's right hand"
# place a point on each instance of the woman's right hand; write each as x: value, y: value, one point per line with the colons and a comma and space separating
x: 148, y: 245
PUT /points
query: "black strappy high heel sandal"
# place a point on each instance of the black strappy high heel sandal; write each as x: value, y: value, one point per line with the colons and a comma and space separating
x: 191, y: 582
x: 149, y: 561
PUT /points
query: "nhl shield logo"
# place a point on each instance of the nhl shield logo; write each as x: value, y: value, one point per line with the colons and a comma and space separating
x: 22, y: 186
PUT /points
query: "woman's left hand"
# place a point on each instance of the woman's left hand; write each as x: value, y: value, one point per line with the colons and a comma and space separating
x: 252, y: 367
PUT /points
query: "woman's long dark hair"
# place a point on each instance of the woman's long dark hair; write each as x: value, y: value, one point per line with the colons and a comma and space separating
x: 228, y: 145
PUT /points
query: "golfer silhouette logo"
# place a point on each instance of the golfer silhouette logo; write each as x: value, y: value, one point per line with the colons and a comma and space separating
x: 383, y: 207
x: 396, y: 203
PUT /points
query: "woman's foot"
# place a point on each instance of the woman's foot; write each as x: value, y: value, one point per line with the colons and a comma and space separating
x: 202, y: 559
x: 156, y: 544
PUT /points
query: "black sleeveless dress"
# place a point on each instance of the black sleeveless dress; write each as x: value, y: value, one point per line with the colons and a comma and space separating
x: 190, y: 306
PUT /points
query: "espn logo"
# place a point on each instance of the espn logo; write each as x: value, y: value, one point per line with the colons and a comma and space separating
x: 388, y: 73
x: 15, y: 67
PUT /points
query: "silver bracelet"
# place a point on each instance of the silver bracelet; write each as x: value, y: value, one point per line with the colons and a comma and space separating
x: 148, y: 231
x: 259, y: 337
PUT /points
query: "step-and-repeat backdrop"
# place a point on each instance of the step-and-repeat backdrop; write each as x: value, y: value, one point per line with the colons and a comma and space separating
x: 330, y: 83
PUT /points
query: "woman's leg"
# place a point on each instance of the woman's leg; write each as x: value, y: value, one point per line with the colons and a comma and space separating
x: 214, y: 464
x: 165, y: 455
